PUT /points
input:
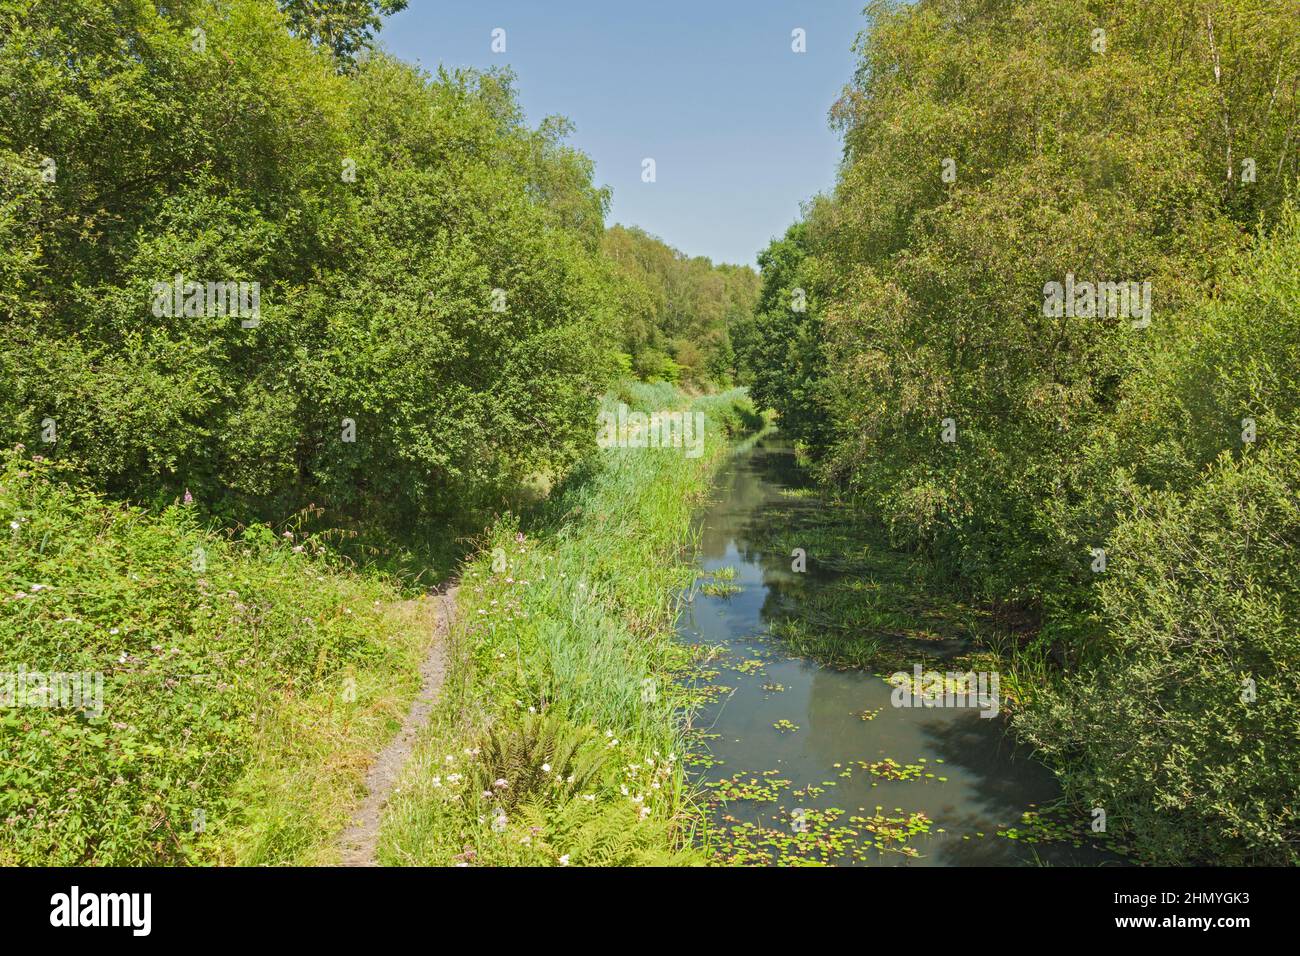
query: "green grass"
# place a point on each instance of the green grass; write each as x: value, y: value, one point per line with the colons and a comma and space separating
x: 576, y: 624
x: 247, y: 683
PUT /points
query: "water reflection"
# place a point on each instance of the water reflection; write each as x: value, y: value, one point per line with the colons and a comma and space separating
x: 989, y: 781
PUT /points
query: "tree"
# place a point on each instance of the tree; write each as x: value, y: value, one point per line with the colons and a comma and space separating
x: 346, y: 27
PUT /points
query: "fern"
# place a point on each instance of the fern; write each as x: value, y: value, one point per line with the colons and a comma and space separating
x: 542, y: 760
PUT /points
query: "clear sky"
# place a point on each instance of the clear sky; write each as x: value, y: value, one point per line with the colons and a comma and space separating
x: 710, y: 89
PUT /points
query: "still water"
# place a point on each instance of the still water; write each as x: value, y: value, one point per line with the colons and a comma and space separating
x: 785, y: 718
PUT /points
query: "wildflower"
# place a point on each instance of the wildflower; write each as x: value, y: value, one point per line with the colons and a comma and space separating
x: 589, y: 797
x: 546, y: 768
x: 189, y: 498
x: 564, y: 860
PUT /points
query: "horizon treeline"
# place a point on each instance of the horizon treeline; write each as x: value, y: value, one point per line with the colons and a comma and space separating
x: 681, y: 313
x: 1124, y: 478
x: 437, y: 305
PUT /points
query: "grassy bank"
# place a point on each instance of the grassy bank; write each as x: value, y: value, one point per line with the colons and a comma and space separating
x: 558, y: 738
x: 246, y: 683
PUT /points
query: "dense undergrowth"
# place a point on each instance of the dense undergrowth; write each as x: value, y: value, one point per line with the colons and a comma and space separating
x: 559, y: 736
x: 246, y: 682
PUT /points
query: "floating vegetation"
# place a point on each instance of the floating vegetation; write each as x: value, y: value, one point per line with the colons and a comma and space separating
x: 785, y: 726
x: 736, y: 788
x: 890, y: 769
x: 802, y: 493
x: 818, y: 837
x: 719, y: 589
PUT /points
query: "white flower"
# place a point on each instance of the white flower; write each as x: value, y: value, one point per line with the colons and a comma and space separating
x: 589, y: 797
x: 546, y: 768
x: 564, y: 860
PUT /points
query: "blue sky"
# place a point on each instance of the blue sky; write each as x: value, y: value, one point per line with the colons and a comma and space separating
x: 735, y: 121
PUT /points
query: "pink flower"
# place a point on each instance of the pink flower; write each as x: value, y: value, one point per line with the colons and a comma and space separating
x: 189, y: 498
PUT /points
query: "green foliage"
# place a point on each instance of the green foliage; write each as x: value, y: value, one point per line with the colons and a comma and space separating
x: 537, y: 760
x: 565, y: 656
x: 230, y: 161
x: 678, y: 312
x: 1076, y: 433
x: 346, y: 27
x: 204, y: 644
x: 779, y: 348
x: 1184, y: 727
